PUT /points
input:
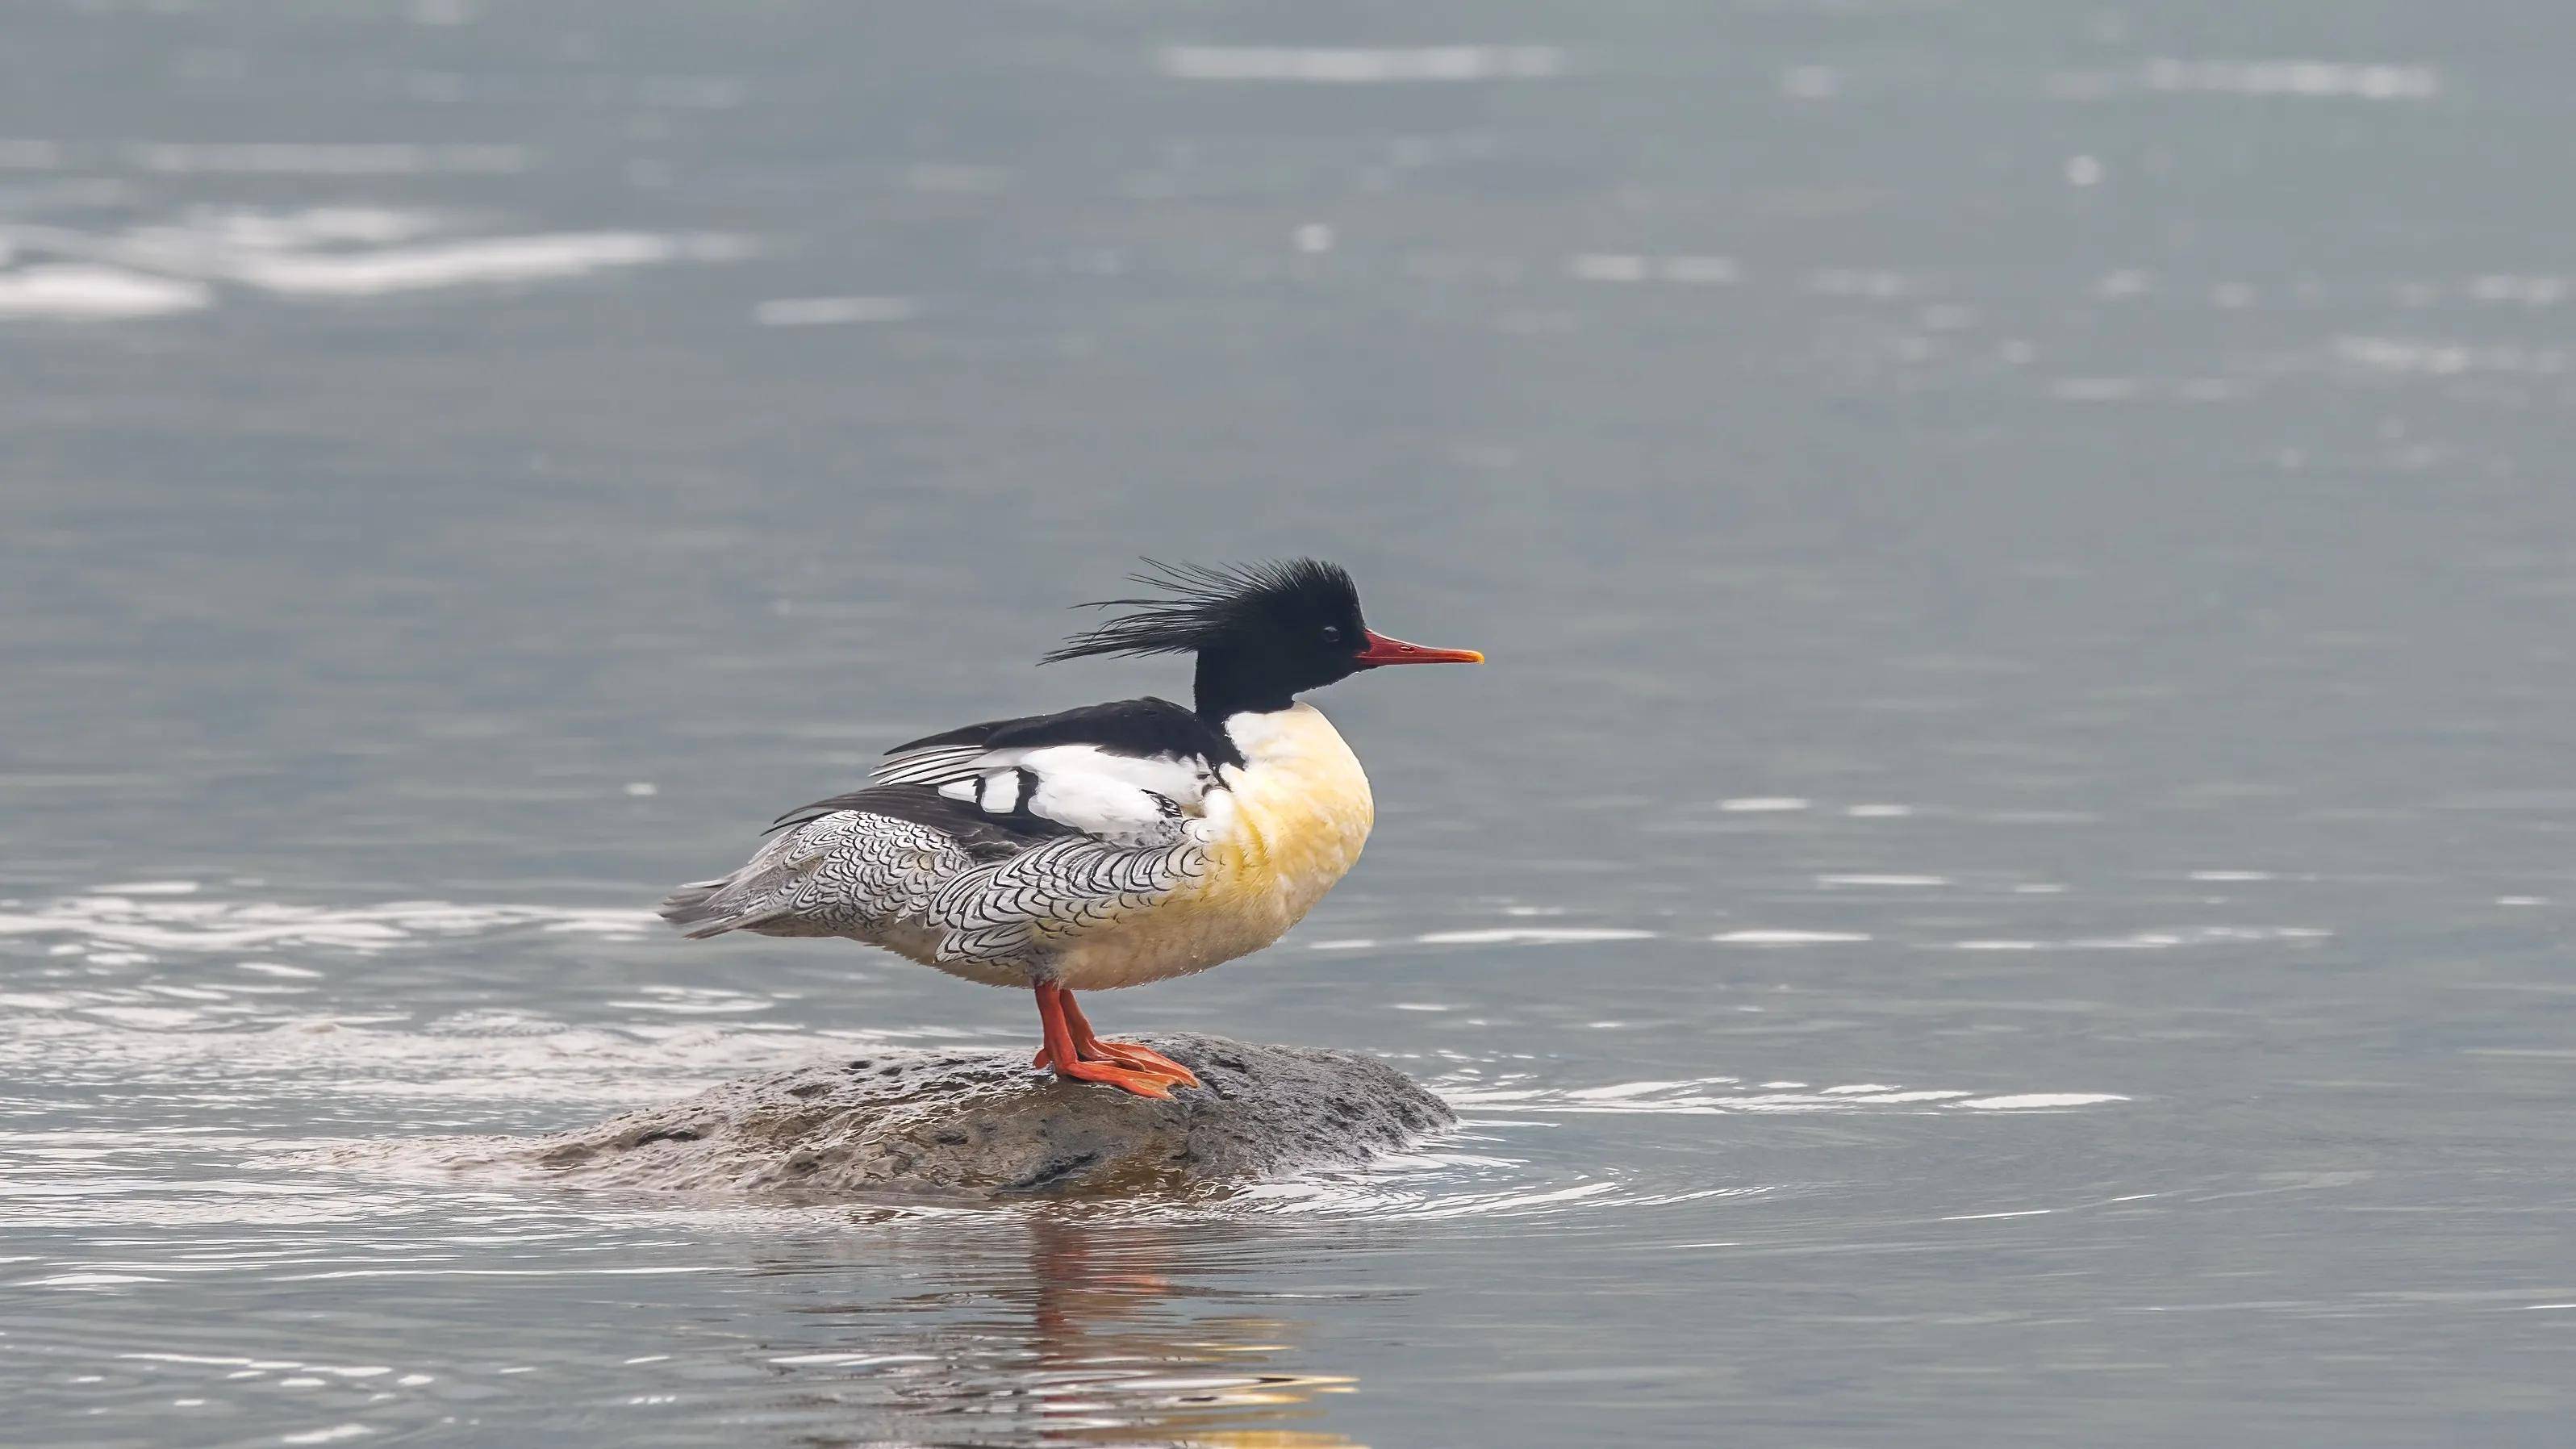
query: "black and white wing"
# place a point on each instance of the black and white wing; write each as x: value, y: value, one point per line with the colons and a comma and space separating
x: 1123, y: 772
x: 987, y: 844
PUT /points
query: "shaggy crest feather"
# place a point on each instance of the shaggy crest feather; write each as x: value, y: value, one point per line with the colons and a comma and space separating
x: 1204, y: 605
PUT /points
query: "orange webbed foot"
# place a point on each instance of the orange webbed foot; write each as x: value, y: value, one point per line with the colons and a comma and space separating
x: 1143, y: 1084
x: 1145, y: 1059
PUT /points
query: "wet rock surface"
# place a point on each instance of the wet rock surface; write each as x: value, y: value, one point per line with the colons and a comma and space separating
x: 980, y: 1123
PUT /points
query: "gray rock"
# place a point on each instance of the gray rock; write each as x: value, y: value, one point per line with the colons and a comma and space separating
x: 982, y: 1124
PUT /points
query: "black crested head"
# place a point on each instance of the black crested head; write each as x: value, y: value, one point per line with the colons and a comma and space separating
x: 1263, y: 632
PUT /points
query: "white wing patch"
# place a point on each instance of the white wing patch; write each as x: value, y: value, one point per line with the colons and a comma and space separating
x: 1110, y: 810
x: 1182, y: 779
x: 1130, y: 800
x: 1001, y: 793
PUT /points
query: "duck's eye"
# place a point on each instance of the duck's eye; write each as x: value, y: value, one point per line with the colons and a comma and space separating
x: 1332, y: 634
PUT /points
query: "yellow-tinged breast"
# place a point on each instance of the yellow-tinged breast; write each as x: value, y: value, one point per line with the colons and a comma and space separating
x: 1300, y: 811
x: 1289, y: 822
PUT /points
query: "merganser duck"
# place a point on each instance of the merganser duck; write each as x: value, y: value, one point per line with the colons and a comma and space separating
x: 1105, y: 846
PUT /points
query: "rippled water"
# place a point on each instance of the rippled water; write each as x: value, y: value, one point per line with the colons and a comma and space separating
x: 2008, y: 881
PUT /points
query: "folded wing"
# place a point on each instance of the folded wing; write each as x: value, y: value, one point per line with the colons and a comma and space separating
x: 989, y: 844
x: 1121, y: 772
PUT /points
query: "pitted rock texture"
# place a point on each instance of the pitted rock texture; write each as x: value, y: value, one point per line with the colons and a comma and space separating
x: 983, y: 1124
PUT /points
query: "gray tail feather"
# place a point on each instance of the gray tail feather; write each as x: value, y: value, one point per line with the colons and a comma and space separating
x: 695, y: 910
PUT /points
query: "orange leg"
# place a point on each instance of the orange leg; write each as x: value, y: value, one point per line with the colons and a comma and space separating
x: 1069, y: 1041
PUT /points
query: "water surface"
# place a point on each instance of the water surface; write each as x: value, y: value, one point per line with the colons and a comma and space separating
x: 2009, y: 879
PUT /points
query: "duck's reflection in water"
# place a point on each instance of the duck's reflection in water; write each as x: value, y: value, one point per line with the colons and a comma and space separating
x: 1078, y: 1333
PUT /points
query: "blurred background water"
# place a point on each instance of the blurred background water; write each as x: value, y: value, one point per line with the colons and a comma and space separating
x: 2008, y: 882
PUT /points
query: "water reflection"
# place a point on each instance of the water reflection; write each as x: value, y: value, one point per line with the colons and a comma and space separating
x: 1081, y: 1332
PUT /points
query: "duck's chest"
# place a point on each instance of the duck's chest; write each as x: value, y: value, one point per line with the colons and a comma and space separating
x: 1279, y: 831
x: 1293, y: 817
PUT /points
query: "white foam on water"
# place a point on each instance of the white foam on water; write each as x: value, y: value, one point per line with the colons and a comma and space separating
x: 696, y: 1001
x: 80, y: 292
x: 1437, y: 1183
x: 833, y: 311
x: 305, y: 158
x: 243, y: 1017
x: 1606, y: 267
x: 2096, y: 389
x: 336, y: 1433
x: 1353, y: 65
x: 1710, y: 1096
x: 1702, y: 271
x: 315, y: 226
x: 1786, y: 938
x: 1621, y: 1090
x: 2306, y: 78
x: 2166, y: 938
x: 1860, y: 282
x: 467, y: 263
x: 2426, y: 357
x: 1531, y: 936
x: 332, y: 252
x: 2521, y: 291
x: 175, y: 924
